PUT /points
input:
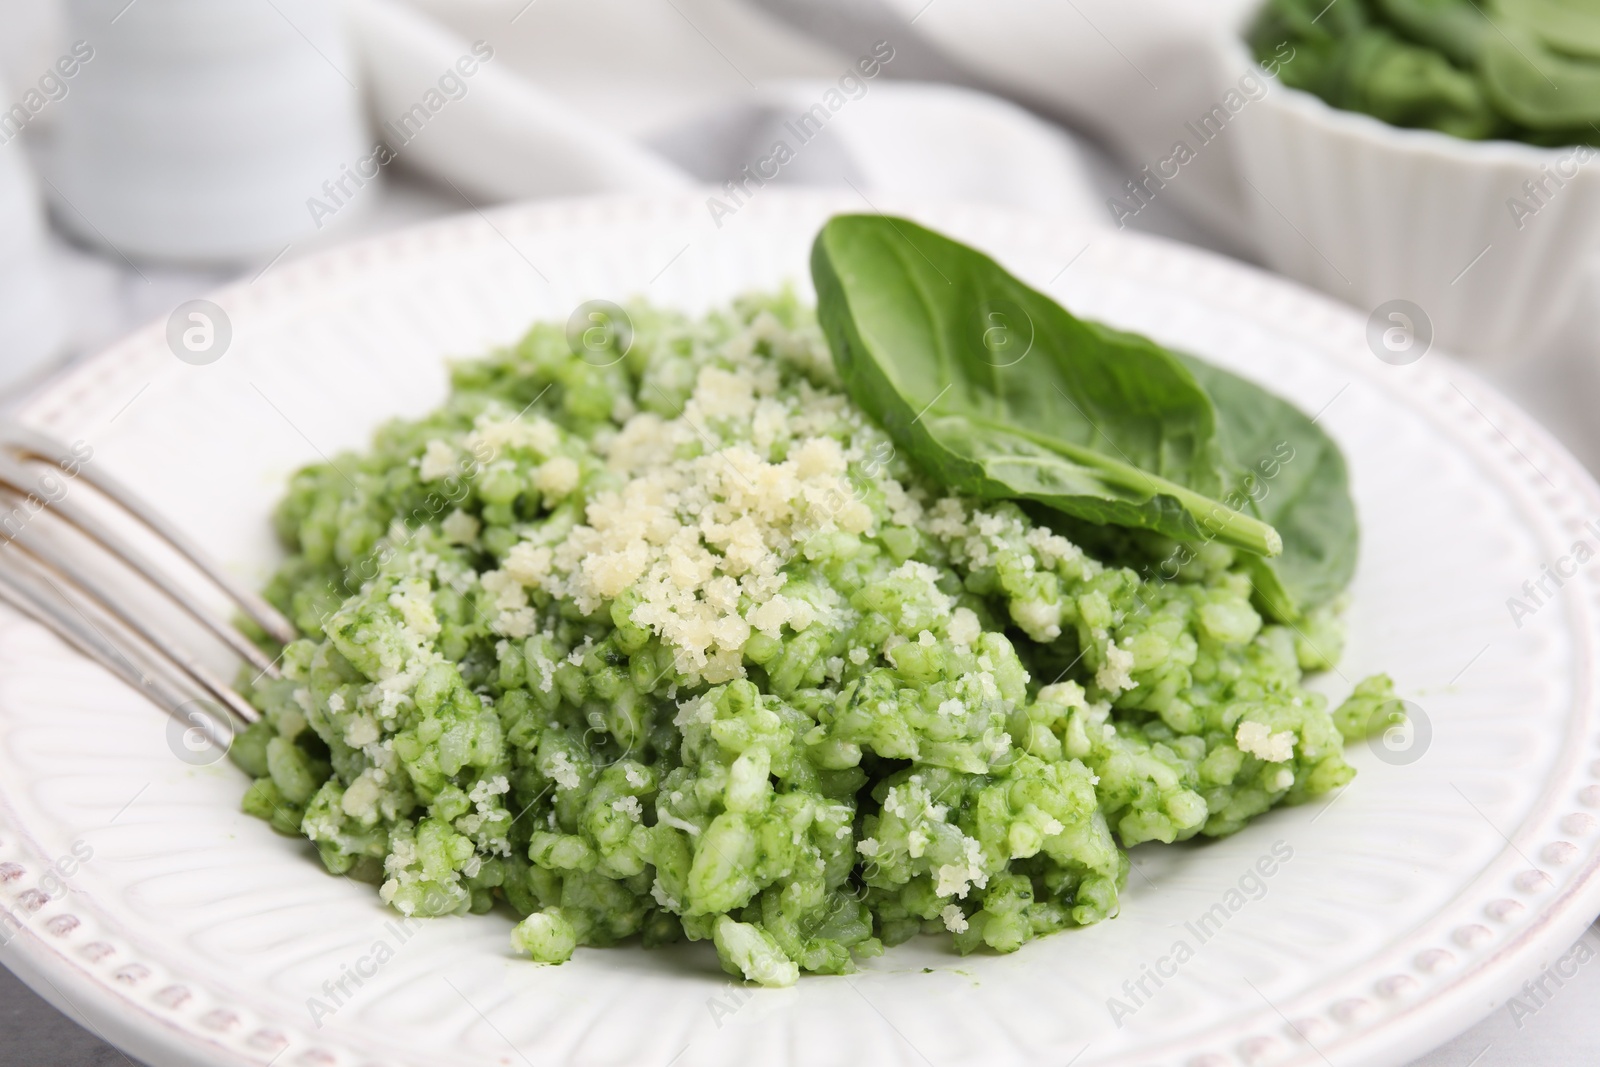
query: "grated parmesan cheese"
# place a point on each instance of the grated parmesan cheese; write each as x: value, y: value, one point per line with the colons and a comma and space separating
x: 1258, y: 740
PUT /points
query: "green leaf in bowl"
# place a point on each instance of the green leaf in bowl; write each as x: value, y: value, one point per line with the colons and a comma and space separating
x: 1535, y: 85
x: 1568, y: 26
x: 1455, y: 27
x: 1410, y: 85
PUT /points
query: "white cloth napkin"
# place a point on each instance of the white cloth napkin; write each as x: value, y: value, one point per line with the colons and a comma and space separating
x: 504, y: 138
x: 659, y: 94
x: 1132, y: 72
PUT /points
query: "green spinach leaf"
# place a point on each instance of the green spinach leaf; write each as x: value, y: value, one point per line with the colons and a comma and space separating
x: 1283, y: 469
x: 1571, y: 27
x: 1455, y: 27
x: 1536, y: 85
x: 1000, y: 393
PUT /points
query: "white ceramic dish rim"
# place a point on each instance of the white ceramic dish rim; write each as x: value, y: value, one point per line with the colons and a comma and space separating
x: 1403, y: 140
x: 142, y: 1028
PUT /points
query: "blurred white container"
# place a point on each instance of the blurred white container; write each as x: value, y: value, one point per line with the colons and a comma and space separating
x: 1370, y: 213
x: 32, y: 326
x: 31, y: 40
x: 199, y: 130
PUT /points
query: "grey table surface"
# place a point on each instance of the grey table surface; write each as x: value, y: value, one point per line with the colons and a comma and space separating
x: 1555, y: 1030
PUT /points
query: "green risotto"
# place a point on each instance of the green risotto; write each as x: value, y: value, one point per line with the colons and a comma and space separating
x: 667, y: 640
x: 1526, y: 70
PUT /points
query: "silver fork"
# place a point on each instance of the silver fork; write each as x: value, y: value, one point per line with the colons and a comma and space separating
x: 49, y: 541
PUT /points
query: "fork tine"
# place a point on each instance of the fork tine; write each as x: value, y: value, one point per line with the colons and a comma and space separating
x: 37, y: 598
x: 48, y: 560
x: 28, y: 443
x: 14, y: 477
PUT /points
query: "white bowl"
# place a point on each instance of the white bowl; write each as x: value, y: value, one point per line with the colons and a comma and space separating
x: 1370, y: 213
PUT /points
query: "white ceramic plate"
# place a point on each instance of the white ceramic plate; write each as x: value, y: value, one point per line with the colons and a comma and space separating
x: 1409, y: 904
